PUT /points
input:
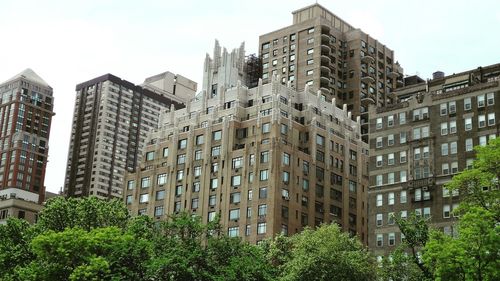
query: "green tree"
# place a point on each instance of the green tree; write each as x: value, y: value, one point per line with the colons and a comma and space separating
x: 473, y: 255
x: 326, y: 253
x: 102, y: 253
x: 400, y: 266
x: 15, y: 238
x: 484, y: 176
x: 86, y: 213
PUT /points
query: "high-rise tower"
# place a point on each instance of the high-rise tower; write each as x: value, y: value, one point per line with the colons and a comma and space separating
x: 26, y: 110
x: 111, y: 120
x: 323, y: 51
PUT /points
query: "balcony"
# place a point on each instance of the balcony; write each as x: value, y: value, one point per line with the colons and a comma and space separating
x: 325, y: 39
x: 325, y: 50
x: 325, y: 59
x: 367, y: 78
x: 367, y: 59
x: 392, y: 74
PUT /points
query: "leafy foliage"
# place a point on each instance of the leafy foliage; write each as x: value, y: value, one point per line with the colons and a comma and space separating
x: 322, y: 254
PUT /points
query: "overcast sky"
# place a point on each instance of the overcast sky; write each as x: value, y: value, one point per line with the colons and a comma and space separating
x: 69, y: 42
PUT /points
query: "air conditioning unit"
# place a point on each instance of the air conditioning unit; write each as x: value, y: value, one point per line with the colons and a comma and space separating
x: 425, y: 188
x: 286, y: 198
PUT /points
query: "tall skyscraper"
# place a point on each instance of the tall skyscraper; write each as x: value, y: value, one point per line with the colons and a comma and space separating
x: 110, y: 123
x: 323, y: 51
x: 421, y: 142
x: 26, y: 110
x: 268, y: 159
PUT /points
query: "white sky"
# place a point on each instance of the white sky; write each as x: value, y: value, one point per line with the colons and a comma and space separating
x: 69, y: 42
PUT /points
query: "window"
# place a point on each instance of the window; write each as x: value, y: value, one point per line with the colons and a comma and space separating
x: 418, y: 194
x: 390, y: 198
x: 380, y: 240
x: 452, y: 105
x: 392, y: 239
x: 490, y: 97
x: 402, y: 176
x: 390, y: 140
x: 320, y: 140
x: 160, y: 195
x: 262, y: 192
x: 212, y: 200
x: 427, y: 212
x: 310, y: 61
x: 150, y: 155
x: 236, y: 180
x: 425, y: 152
x: 491, y: 119
x: 416, y: 153
x: 443, y: 109
x: 264, y: 157
x: 483, y: 140
x: 264, y: 175
x: 217, y: 135
x: 445, y: 168
x: 416, y: 133
x: 214, y: 183
x: 379, y: 142
x: 292, y: 57
x: 310, y: 30
x: 214, y: 168
x: 182, y: 144
x: 233, y: 231
x: 390, y: 120
x: 480, y: 101
x: 158, y: 211
x: 402, y: 197
x: 379, y: 180
x: 420, y: 114
x: 402, y: 118
x: 130, y: 184
x: 261, y: 228
x: 237, y: 162
x: 444, y: 128
x: 181, y: 159
x: 178, y: 190
x: 404, y: 214
x: 481, y: 121
x: 453, y: 147
x: 446, y: 211
x: 468, y: 124
x: 234, y: 214
x: 453, y: 127
x: 161, y: 179
x: 402, y: 157
x: 469, y: 163
x: 215, y: 151
x: 235, y: 197
x: 444, y: 149
x: 144, y: 198
x: 211, y: 216
x: 129, y: 199
x: 266, y: 128
x: 380, y: 220
x: 379, y: 124
x: 198, y: 155
x: 390, y: 159
x: 309, y: 72
x: 310, y: 51
x: 180, y: 175
x: 145, y: 182
x: 467, y: 104
x: 286, y: 177
x: 454, y: 167
x: 468, y: 144
x: 165, y: 152
x: 379, y: 161
x: 402, y: 137
x: 262, y: 210
x: 380, y: 200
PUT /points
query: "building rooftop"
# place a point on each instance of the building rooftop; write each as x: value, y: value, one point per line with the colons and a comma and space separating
x: 29, y: 74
